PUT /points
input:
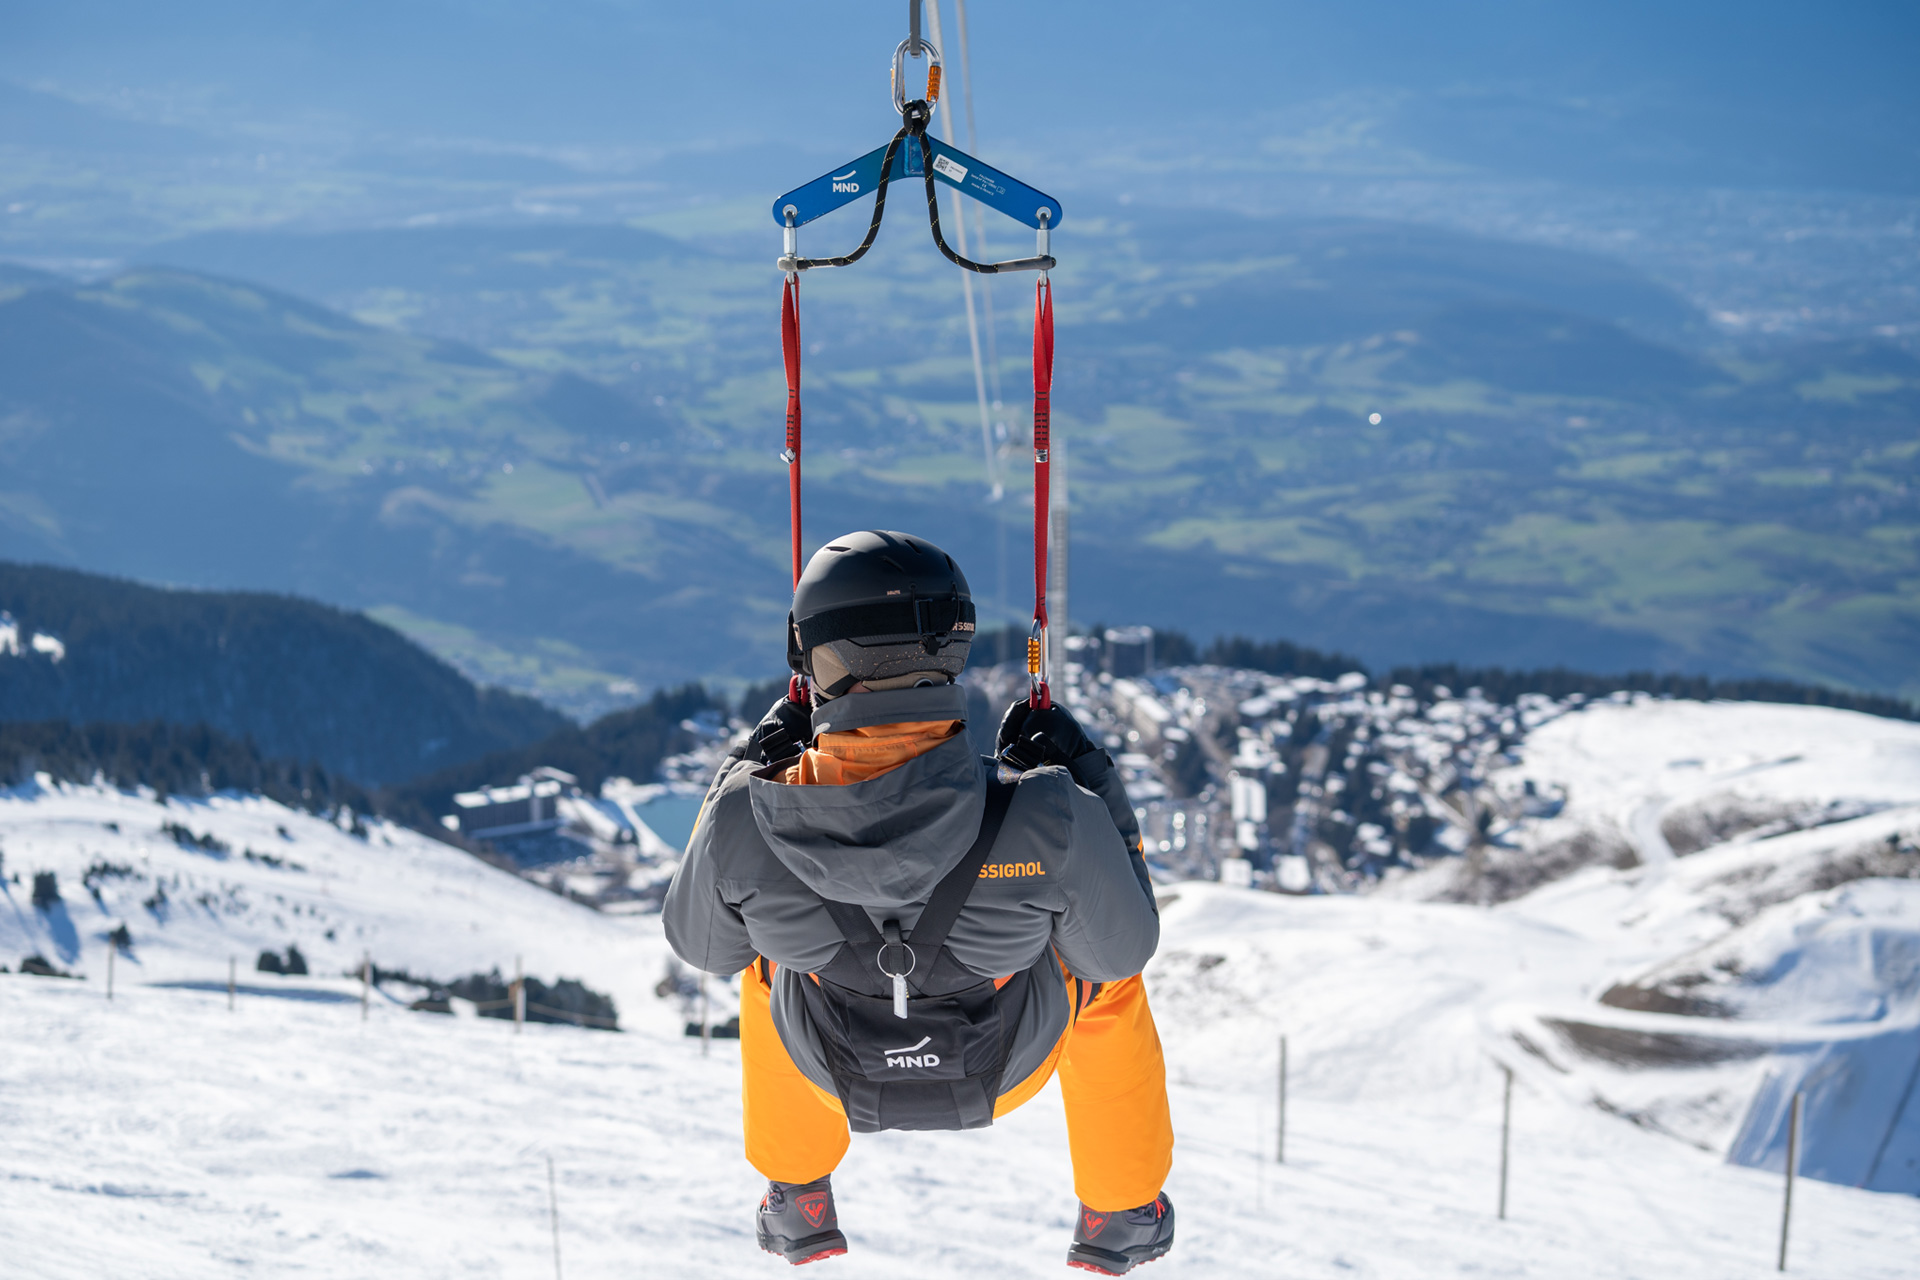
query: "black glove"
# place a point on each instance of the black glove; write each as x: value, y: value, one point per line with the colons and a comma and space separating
x: 1031, y: 737
x: 783, y: 732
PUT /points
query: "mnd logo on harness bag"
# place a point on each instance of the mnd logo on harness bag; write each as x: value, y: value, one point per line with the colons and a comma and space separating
x: 1011, y: 870
x: 908, y: 1058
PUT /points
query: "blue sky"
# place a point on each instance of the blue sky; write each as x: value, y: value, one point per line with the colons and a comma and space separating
x: 1781, y: 94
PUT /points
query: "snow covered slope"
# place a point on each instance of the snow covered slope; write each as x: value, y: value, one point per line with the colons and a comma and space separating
x: 1766, y: 940
x: 162, y: 1136
x: 198, y: 882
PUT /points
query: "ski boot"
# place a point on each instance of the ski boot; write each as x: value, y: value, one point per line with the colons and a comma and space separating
x: 1115, y: 1243
x: 797, y: 1221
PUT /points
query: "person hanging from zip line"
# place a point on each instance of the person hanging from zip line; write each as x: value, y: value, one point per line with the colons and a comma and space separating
x: 925, y: 936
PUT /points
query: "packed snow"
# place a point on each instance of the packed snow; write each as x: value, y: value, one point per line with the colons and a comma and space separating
x: 161, y: 1134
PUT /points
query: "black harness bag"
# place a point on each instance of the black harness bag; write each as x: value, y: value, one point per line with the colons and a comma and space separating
x: 914, y: 1039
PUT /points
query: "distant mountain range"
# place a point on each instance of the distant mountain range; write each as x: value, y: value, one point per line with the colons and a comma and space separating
x: 1632, y: 92
x: 301, y: 681
x: 552, y: 457
x: 180, y: 429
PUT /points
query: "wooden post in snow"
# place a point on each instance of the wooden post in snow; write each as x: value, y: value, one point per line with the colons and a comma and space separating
x: 1280, y: 1143
x: 366, y: 983
x: 553, y: 1210
x: 1793, y: 1167
x: 519, y: 995
x: 1506, y: 1130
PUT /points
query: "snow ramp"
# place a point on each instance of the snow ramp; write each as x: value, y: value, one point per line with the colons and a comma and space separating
x: 1861, y: 1121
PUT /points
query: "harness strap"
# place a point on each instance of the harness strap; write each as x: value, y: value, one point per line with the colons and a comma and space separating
x: 1040, y: 697
x: 913, y: 131
x: 855, y: 925
x: 948, y: 897
x: 790, y: 348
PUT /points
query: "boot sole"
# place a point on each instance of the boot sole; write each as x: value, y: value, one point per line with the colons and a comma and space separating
x: 828, y: 1244
x: 1107, y: 1263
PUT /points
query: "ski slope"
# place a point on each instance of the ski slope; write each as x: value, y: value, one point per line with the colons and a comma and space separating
x: 283, y: 877
x: 160, y: 1135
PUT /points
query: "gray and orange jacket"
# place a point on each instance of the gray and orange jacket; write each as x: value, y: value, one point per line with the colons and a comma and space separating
x: 768, y: 848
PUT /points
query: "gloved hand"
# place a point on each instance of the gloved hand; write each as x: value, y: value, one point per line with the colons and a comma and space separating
x: 1029, y: 738
x: 783, y: 732
x: 1032, y: 737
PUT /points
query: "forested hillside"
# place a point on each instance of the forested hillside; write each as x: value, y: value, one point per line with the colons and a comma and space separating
x: 301, y: 681
x: 173, y: 760
x: 626, y: 744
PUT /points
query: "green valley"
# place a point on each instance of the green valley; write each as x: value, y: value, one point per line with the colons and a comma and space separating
x: 548, y: 452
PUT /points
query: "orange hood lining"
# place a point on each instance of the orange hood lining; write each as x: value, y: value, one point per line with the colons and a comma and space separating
x: 858, y: 755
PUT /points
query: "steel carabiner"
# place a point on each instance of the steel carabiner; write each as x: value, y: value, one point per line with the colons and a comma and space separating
x: 900, y: 55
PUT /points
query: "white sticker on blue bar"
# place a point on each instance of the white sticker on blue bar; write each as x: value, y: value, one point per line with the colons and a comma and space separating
x: 859, y: 178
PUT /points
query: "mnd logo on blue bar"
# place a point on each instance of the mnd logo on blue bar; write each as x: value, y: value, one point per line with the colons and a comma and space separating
x: 954, y: 168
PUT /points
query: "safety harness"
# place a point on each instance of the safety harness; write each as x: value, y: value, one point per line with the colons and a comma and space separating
x: 912, y: 151
x: 935, y: 1058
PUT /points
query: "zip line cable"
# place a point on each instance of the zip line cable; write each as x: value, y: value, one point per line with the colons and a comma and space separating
x: 1002, y: 445
x: 994, y: 488
x: 980, y: 238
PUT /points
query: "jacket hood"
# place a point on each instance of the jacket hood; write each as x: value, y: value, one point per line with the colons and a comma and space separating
x: 891, y: 706
x: 883, y: 843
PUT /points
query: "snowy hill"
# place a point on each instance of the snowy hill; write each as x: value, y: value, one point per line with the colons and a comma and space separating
x: 197, y: 883
x: 1769, y: 937
x: 162, y: 1135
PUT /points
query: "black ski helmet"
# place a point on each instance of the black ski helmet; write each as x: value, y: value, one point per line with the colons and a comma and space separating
x: 883, y: 605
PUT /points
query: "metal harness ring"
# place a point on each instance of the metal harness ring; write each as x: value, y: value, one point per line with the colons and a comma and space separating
x: 913, y: 960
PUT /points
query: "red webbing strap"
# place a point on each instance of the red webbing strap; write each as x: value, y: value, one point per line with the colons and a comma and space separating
x: 1040, y: 696
x: 790, y: 347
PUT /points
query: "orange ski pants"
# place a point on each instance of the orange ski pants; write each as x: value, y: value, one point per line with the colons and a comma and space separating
x: 1113, y: 1080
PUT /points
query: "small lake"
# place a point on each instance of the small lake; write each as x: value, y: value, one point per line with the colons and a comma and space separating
x: 672, y: 817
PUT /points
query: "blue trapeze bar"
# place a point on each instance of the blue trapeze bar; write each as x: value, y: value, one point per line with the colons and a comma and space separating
x: 956, y: 168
